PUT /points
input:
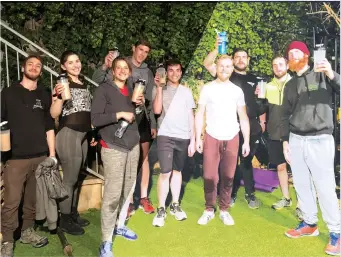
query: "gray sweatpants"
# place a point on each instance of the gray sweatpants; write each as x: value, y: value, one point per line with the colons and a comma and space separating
x: 312, y: 163
x: 72, y: 150
x: 120, y: 171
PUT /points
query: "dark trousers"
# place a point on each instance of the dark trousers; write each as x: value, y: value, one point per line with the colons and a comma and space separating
x: 245, y: 170
x: 224, y: 154
x: 19, y: 179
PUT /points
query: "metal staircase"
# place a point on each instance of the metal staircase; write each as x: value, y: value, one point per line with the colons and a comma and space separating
x: 7, y: 46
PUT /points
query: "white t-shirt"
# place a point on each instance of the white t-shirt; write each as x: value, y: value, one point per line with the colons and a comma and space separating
x: 221, y: 101
x: 177, y: 105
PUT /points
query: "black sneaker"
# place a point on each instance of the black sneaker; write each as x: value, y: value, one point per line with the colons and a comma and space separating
x: 68, y: 225
x: 252, y: 201
x: 77, y: 219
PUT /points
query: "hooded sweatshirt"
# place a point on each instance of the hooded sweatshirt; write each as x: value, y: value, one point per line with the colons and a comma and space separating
x: 107, y: 102
x: 274, y: 94
x: 142, y: 72
x: 306, y: 108
x: 28, y: 116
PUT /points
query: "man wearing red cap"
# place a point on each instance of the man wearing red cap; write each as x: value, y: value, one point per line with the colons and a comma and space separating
x: 308, y: 144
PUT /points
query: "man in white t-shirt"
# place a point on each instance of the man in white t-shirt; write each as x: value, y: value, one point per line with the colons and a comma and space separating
x: 176, y: 138
x: 222, y: 100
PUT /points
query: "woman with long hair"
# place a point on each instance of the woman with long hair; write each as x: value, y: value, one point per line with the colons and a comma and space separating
x: 112, y: 110
x: 71, y: 140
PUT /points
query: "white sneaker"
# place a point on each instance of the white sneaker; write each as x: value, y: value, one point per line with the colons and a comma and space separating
x: 178, y: 213
x: 206, y: 217
x: 159, y: 219
x: 226, y: 218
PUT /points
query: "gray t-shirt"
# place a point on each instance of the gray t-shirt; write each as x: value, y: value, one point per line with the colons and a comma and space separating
x: 177, y: 105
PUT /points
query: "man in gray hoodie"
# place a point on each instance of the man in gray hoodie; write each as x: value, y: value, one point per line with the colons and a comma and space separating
x: 147, y: 125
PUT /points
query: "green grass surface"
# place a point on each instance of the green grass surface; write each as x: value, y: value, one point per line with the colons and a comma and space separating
x: 255, y: 233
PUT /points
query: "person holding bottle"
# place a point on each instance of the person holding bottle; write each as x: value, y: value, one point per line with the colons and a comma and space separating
x: 146, y: 122
x: 111, y: 109
x: 71, y: 140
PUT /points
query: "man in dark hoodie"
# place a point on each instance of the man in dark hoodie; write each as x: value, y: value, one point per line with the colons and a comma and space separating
x: 308, y: 144
x: 26, y: 107
x: 147, y: 125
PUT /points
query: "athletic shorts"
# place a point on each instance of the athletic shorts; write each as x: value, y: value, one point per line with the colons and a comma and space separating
x: 144, y: 130
x: 172, y: 153
x: 275, y: 150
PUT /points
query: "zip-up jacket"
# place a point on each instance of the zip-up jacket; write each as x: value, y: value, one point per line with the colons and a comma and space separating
x: 274, y: 94
x: 142, y: 72
x: 306, y: 108
x: 29, y: 118
x: 106, y: 103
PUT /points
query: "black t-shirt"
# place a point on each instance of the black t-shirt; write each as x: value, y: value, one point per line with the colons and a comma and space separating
x: 248, y: 83
x: 76, y: 111
x: 29, y: 118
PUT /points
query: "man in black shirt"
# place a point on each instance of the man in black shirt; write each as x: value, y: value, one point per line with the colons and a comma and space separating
x: 26, y: 107
x: 247, y: 82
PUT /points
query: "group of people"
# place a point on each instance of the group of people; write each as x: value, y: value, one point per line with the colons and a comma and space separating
x: 227, y: 126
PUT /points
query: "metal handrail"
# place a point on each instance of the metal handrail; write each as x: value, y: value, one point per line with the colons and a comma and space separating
x: 52, y: 73
x: 26, y: 54
x: 3, y: 24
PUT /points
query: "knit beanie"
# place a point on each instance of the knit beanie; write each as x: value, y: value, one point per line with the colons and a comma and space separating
x: 298, y: 45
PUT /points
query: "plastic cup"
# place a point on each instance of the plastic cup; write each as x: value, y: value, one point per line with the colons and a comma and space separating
x: 262, y: 89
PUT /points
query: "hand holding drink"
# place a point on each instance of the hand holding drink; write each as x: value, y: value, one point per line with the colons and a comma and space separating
x: 139, y: 88
x: 161, y: 74
x: 63, y: 87
x: 261, y: 88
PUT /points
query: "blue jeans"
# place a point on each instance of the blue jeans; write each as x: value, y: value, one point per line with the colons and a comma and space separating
x: 312, y: 164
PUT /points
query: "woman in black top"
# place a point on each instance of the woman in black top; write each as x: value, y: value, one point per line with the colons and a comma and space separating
x: 71, y: 142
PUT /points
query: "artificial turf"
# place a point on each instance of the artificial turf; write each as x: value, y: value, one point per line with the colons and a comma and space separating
x: 255, y: 233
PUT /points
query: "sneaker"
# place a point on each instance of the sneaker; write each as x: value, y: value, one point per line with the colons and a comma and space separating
x: 299, y: 214
x: 226, y: 218
x: 7, y: 249
x: 252, y: 201
x: 284, y: 202
x: 333, y: 246
x: 105, y: 250
x: 131, y: 211
x: 146, y: 206
x: 303, y: 229
x: 29, y: 236
x: 206, y: 217
x: 159, y: 219
x: 178, y: 213
x: 233, y: 200
x: 77, y: 219
x: 126, y: 233
x: 68, y: 225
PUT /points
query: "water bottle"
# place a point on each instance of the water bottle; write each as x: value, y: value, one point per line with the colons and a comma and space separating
x: 123, y: 127
x: 222, y: 45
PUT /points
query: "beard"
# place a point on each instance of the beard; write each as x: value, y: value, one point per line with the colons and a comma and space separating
x: 31, y: 77
x: 239, y: 68
x: 296, y: 66
x: 281, y: 75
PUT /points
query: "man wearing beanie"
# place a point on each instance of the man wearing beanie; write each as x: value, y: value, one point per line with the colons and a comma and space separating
x: 308, y: 144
